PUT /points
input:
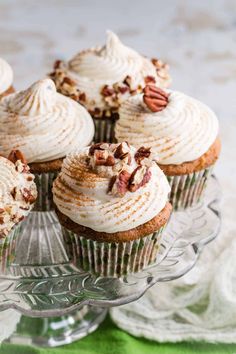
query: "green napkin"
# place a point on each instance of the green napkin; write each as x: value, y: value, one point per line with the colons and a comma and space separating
x: 109, y: 339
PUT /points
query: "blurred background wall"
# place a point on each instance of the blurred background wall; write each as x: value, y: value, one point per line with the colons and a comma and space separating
x: 197, y: 39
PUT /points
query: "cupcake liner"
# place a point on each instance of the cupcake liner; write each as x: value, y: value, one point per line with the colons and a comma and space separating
x: 187, y: 190
x: 44, y: 183
x: 113, y: 259
x: 104, y: 129
x: 7, y: 248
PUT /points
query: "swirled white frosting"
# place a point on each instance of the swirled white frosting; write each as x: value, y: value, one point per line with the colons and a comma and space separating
x: 81, y: 193
x: 6, y: 76
x: 181, y: 132
x: 42, y: 123
x: 94, y: 68
x: 17, y: 192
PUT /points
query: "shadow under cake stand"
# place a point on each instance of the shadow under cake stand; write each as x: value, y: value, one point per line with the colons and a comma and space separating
x: 60, y: 303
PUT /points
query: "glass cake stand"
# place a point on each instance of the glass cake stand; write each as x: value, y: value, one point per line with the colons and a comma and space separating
x: 61, y: 303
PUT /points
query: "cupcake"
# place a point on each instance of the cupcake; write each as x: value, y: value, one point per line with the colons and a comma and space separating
x: 6, y: 78
x: 45, y: 126
x: 181, y: 130
x: 17, y: 196
x: 112, y: 203
x: 101, y: 78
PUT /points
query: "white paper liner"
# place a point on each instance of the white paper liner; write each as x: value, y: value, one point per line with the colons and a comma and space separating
x: 187, y: 190
x: 104, y: 129
x: 113, y: 259
x: 44, y: 183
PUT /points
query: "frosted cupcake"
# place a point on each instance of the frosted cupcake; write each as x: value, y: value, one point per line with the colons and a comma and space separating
x: 101, y: 78
x: 6, y: 78
x: 45, y: 126
x: 181, y: 130
x: 113, y: 202
x: 17, y: 192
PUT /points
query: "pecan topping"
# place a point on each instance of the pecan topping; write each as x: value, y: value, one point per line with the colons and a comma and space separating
x: 150, y: 80
x: 107, y: 91
x: 28, y: 197
x: 141, y: 154
x: 102, y: 158
x: 16, y: 155
x: 94, y: 147
x: 140, y: 176
x: 119, y: 184
x: 57, y: 64
x: 155, y: 98
x: 67, y: 80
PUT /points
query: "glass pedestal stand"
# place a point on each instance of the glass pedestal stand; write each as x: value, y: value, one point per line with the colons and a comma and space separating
x: 60, y: 303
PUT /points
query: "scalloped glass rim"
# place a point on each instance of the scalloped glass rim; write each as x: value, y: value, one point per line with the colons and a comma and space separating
x: 39, y: 280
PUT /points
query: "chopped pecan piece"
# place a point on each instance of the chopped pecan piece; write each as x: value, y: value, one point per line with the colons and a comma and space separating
x: 141, y: 154
x: 127, y: 80
x: 140, y: 176
x: 16, y: 155
x: 107, y: 91
x: 155, y: 98
x: 150, y: 79
x: 102, y: 158
x: 57, y: 64
x: 97, y: 146
x: 119, y: 184
x: 28, y: 196
x: 67, y: 80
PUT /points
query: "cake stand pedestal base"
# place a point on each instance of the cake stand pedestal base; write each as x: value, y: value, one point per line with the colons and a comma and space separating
x: 57, y: 331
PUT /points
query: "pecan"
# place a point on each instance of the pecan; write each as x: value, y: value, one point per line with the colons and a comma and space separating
x: 16, y: 155
x: 97, y: 146
x: 141, y: 154
x: 102, y: 158
x: 107, y: 91
x: 82, y: 97
x: 121, y: 150
x: 67, y: 80
x: 57, y: 64
x: 13, y: 193
x: 140, y: 176
x: 127, y: 80
x: 30, y: 178
x: 2, y: 210
x: 123, y: 89
x: 150, y: 79
x: 155, y: 98
x: 1, y: 220
x: 119, y: 184
x: 28, y: 196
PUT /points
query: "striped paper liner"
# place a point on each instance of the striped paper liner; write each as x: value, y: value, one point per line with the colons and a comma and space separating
x: 44, y: 183
x: 187, y: 190
x: 113, y: 259
x: 104, y: 129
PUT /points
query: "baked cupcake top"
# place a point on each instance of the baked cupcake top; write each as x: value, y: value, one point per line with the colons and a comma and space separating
x: 111, y: 187
x: 42, y: 123
x: 101, y: 78
x: 17, y: 191
x: 6, y: 76
x: 177, y: 127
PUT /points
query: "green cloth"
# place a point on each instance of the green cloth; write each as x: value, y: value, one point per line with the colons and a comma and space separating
x: 108, y: 339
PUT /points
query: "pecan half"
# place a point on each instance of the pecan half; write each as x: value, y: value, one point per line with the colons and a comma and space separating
x: 150, y: 79
x: 119, y: 184
x: 140, y: 176
x: 155, y: 98
x: 16, y: 155
x: 141, y: 154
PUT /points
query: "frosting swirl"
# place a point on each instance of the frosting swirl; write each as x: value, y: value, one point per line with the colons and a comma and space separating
x: 17, y: 193
x: 6, y: 76
x: 93, y: 69
x: 182, y: 131
x: 42, y: 123
x: 110, y: 188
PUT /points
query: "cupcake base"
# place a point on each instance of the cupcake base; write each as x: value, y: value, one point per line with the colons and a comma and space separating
x: 105, y: 128
x: 114, y: 254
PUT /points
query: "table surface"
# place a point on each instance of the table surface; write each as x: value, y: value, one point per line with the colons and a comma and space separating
x: 197, y: 39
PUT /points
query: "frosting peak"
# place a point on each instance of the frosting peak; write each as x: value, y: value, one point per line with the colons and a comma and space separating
x: 111, y: 187
x: 38, y: 99
x: 115, y: 66
x: 182, y: 131
x: 42, y: 123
